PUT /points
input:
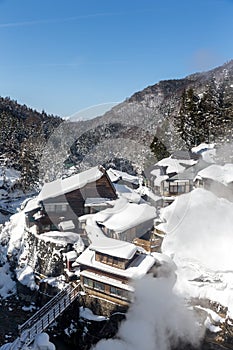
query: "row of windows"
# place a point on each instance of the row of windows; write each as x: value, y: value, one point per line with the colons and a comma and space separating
x: 58, y: 208
x: 177, y: 189
x: 181, y: 187
x: 123, y: 294
x: 110, y: 260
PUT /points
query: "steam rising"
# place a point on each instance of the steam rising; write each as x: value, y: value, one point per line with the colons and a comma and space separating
x: 157, y: 320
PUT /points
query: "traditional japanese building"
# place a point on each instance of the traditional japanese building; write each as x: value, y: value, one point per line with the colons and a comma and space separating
x: 62, y: 201
x: 108, y: 268
x: 125, y: 221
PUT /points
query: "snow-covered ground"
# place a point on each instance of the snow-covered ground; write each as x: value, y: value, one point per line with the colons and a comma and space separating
x: 200, y: 239
x: 11, y: 196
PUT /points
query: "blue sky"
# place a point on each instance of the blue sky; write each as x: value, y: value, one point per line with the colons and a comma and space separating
x: 66, y: 55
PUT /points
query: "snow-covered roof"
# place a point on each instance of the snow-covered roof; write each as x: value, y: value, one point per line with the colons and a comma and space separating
x: 222, y: 174
x: 60, y: 237
x: 72, y: 255
x: 116, y: 175
x: 66, y: 225
x: 191, y: 172
x: 184, y: 155
x: 87, y: 314
x: 176, y: 165
x: 146, y: 191
x: 136, y: 269
x: 128, y: 193
x: 98, y: 201
x: 207, y: 151
x: 32, y: 205
x: 203, y: 147
x: 74, y: 182
x: 114, y: 247
x: 124, y: 216
x: 159, y: 179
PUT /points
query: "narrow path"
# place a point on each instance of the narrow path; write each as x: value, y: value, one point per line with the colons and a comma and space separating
x: 44, y: 317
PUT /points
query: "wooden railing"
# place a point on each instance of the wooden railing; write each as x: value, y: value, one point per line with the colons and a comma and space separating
x: 44, y: 317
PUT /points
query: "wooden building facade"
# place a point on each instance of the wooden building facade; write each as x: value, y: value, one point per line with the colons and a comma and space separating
x: 106, y: 270
x: 65, y: 199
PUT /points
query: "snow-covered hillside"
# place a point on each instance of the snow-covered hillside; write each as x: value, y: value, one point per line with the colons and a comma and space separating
x: 11, y: 194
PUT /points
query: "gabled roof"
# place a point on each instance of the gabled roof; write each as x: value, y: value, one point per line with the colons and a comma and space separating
x: 190, y: 173
x: 114, y: 247
x: 62, y: 186
x: 185, y: 155
x: 116, y: 175
x: 124, y: 216
x: 138, y: 268
x: 222, y: 174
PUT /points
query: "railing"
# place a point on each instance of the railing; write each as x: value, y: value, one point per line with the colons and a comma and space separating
x: 44, y: 317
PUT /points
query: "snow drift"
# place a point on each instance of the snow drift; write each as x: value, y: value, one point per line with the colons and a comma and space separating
x: 199, y: 226
x: 200, y: 239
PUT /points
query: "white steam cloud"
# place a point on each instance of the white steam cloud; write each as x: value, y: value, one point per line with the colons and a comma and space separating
x: 157, y: 320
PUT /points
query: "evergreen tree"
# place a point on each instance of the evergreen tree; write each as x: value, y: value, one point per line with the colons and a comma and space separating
x: 159, y: 149
x: 188, y: 122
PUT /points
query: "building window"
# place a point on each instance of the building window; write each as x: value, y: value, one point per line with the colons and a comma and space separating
x: 99, y: 286
x: 58, y: 208
x: 115, y: 262
x: 123, y: 294
x: 93, y: 284
x: 49, y: 207
x: 87, y: 282
x: 175, y: 188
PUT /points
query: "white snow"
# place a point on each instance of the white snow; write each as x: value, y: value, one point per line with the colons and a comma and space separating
x: 26, y: 277
x: 9, y: 176
x: 146, y: 191
x: 199, y: 239
x: 42, y: 342
x: 124, y: 216
x: 175, y: 165
x: 30, y: 308
x: 7, y: 285
x: 160, y: 179
x: 127, y: 193
x: 203, y: 147
x: 93, y: 231
x: 96, y: 202
x: 137, y: 268
x: 87, y: 314
x: 60, y: 237
x: 214, y: 316
x: 209, y: 156
x: 32, y: 204
x: 207, y: 151
x: 116, y: 175
x: 74, y: 182
x: 219, y: 173
x: 114, y: 247
x: 66, y: 225
x: 209, y: 325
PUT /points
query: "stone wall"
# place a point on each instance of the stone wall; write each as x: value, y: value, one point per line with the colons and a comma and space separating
x: 45, y: 257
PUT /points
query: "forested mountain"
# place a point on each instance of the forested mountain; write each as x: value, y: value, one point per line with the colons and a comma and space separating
x: 170, y: 115
x: 23, y: 133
